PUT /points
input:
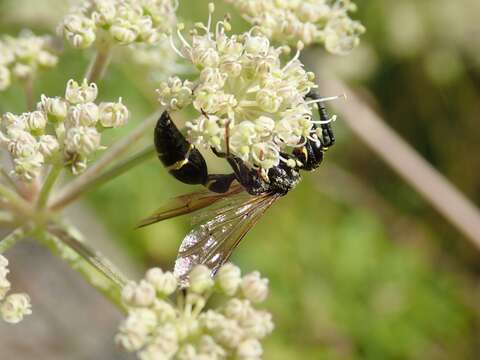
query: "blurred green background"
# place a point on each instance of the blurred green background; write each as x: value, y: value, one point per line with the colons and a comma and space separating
x: 360, y: 266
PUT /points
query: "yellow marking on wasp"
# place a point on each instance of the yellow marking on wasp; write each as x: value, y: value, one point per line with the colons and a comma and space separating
x: 304, y: 153
x: 181, y: 163
x: 178, y: 165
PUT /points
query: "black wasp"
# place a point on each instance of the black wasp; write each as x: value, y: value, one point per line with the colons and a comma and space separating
x: 240, y: 198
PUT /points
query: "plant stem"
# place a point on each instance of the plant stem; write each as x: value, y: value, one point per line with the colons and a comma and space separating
x: 72, y: 238
x: 11, y: 239
x: 14, y: 200
x: 98, y: 66
x: 109, y: 288
x: 8, y: 178
x: 81, y: 184
x: 28, y: 88
x: 48, y: 185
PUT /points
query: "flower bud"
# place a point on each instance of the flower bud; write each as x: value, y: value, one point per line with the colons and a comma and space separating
x: 82, y: 140
x: 48, y: 146
x: 164, y: 283
x: 200, y: 279
x: 105, y: 14
x: 113, y: 115
x: 210, y: 348
x: 268, y: 100
x: 257, y: 324
x: 254, y: 287
x: 123, y: 33
x: 257, y: 45
x: 135, y: 330
x: 237, y: 309
x: 22, y: 143
x: 15, y: 307
x: 13, y: 121
x: 79, y: 31
x: 83, y: 115
x: 56, y: 108
x: 229, y: 278
x: 139, y: 295
x: 165, y: 312
x: 249, y: 349
x: 78, y: 165
x: 163, y: 346
x: 28, y: 167
x: 36, y: 122
x: 83, y: 93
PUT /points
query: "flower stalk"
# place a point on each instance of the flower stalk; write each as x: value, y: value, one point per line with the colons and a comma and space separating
x: 99, y: 64
x: 11, y: 239
x: 48, y: 185
x: 98, y: 280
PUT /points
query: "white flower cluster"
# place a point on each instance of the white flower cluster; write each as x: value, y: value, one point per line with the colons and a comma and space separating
x: 309, y: 21
x: 13, y: 307
x: 62, y: 130
x: 156, y: 328
x: 122, y: 21
x: 250, y: 104
x: 21, y: 57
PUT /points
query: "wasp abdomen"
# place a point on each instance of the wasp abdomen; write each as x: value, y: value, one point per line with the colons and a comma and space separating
x: 180, y: 157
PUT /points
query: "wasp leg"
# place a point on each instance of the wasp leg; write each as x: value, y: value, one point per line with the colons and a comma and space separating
x: 327, y: 138
x: 220, y: 183
x: 311, y: 154
x: 250, y: 179
x: 183, y: 160
x: 219, y: 154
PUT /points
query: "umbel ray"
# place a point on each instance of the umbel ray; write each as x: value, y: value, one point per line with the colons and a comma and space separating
x: 240, y: 198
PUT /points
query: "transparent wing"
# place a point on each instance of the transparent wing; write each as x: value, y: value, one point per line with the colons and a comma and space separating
x: 188, y: 203
x: 212, y: 242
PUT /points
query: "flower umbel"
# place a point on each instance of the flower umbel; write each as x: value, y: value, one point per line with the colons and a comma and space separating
x: 120, y: 21
x: 23, y: 56
x: 250, y: 103
x: 157, y: 328
x: 61, y: 131
x: 309, y: 21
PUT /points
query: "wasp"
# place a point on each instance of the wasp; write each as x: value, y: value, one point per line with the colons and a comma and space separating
x: 236, y: 201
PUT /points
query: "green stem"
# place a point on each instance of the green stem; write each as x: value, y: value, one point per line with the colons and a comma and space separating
x: 11, y: 239
x: 82, y: 183
x: 98, y: 66
x: 73, y: 239
x: 48, y: 185
x: 30, y: 93
x: 8, y: 178
x: 97, y: 279
x: 14, y: 200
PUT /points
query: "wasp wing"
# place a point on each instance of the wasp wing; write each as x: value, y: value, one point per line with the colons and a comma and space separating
x: 212, y: 242
x: 188, y: 203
